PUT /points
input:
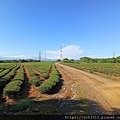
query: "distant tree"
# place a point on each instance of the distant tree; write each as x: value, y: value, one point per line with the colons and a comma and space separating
x: 59, y: 60
x: 118, y: 59
x: 71, y: 60
x: 111, y: 60
x: 65, y: 59
x: 1, y: 61
x: 86, y: 59
x: 23, y: 60
x: 31, y: 60
x: 39, y: 60
x: 101, y: 60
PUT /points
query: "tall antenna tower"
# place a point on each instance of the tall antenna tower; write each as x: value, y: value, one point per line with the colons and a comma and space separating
x: 61, y: 56
x: 114, y: 54
x: 39, y: 55
x: 45, y: 57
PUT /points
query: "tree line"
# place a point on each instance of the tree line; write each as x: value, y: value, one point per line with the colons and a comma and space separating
x: 20, y: 60
x: 83, y: 59
x: 94, y: 60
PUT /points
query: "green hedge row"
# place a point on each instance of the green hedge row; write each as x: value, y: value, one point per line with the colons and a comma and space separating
x: 13, y: 88
x: 53, y: 80
x: 3, y: 73
x: 34, y: 80
x: 5, y: 66
x: 6, y: 79
x: 20, y: 74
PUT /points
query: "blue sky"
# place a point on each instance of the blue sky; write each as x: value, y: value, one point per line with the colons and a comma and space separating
x: 83, y: 27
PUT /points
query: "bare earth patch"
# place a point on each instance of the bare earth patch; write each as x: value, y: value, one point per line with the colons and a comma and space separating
x: 84, y: 85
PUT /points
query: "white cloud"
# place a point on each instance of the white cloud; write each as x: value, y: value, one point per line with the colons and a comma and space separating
x: 17, y: 57
x: 70, y: 51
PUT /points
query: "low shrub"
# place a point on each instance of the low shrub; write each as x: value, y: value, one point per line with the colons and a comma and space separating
x: 44, y: 75
x: 13, y: 88
x: 6, y: 79
x: 35, y: 81
x: 53, y: 80
x: 22, y: 105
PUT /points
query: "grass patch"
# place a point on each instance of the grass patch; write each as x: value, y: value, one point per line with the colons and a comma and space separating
x: 22, y: 105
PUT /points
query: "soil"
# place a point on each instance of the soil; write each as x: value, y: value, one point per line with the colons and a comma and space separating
x: 25, y: 88
x: 33, y: 90
x: 83, y: 85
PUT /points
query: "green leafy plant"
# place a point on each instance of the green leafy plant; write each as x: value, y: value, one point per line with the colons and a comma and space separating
x: 53, y: 80
x: 35, y: 81
x: 14, y: 87
x: 22, y: 105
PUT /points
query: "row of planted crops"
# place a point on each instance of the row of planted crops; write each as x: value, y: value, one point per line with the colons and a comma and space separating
x: 106, y: 68
x: 43, y: 75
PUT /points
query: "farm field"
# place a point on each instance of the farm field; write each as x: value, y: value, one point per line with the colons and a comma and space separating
x: 59, y: 59
x: 27, y: 81
x: 59, y: 88
x: 110, y: 70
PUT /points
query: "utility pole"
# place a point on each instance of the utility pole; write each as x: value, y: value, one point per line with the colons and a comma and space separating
x: 39, y: 56
x: 114, y: 54
x: 61, y: 56
x: 45, y: 57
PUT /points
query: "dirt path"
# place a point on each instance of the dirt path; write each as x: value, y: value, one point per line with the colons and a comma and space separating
x: 26, y: 87
x: 83, y: 85
x: 32, y: 92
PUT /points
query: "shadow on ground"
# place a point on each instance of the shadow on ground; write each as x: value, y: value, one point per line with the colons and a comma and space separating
x: 25, y: 88
x: 115, y: 111
x: 54, y: 107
